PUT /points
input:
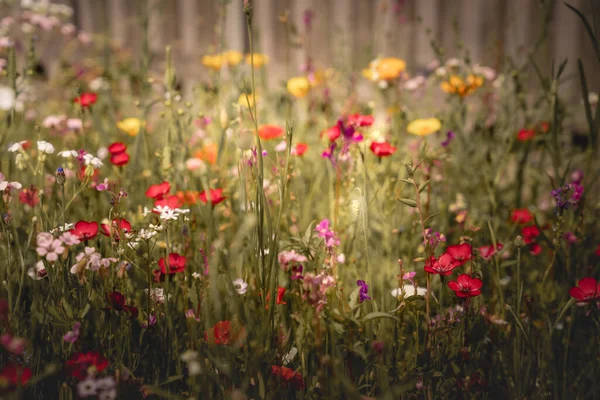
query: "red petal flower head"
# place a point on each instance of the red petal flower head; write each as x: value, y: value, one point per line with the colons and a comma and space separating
x: 361, y: 120
x: 216, y: 196
x: 486, y: 252
x: 224, y: 333
x: 158, y: 191
x: 586, y: 291
x: 29, y: 196
x: 117, y: 224
x: 79, y: 365
x: 172, y: 202
x: 332, y: 133
x: 300, y: 149
x: 280, y: 294
x: 177, y: 263
x: 521, y: 216
x: 268, y: 132
x: 442, y: 266
x: 119, y: 159
x: 85, y: 230
x: 86, y: 99
x: 116, y: 300
x: 530, y: 233
x: 466, y: 286
x: 117, y: 148
x: 460, y: 252
x: 525, y: 135
x: 287, y: 377
x: 382, y: 149
x: 14, y: 375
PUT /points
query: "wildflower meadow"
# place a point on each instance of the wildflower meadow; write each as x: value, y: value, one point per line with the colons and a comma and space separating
x: 434, y: 237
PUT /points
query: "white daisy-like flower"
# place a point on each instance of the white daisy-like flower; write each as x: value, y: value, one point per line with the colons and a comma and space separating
x: 67, y: 153
x: 4, y: 184
x: 409, y: 290
x: 87, y: 387
x: 45, y: 147
x: 89, y: 159
x: 240, y: 286
x: 13, y: 148
x: 38, y: 271
x: 7, y: 98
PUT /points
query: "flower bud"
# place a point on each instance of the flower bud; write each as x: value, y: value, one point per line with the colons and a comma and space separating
x: 60, y: 176
x: 519, y: 242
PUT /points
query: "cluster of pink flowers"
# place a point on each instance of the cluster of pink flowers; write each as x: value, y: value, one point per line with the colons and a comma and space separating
x: 51, y: 248
x: 316, y: 288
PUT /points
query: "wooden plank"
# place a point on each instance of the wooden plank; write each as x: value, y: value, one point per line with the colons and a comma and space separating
x: 341, y: 34
x: 117, y: 11
x: 427, y: 14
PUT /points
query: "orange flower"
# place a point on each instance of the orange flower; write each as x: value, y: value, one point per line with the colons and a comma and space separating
x: 456, y: 85
x: 268, y: 132
x: 208, y: 153
x: 188, y: 197
x: 300, y: 149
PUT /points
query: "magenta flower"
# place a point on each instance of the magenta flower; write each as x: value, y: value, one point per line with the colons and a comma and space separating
x: 327, y: 234
x: 73, y: 335
x: 466, y: 286
x: 409, y: 276
x: 362, y: 292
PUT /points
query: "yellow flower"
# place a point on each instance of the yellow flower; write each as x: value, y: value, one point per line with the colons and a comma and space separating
x: 298, y: 86
x: 130, y: 126
x: 384, y: 69
x: 213, y: 61
x: 243, y: 102
x: 259, y: 59
x: 456, y: 85
x: 232, y: 57
x: 424, y: 127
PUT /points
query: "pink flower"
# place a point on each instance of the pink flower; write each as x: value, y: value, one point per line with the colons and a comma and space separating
x: 327, y: 234
x: 73, y: 334
x: 49, y: 247
x: 13, y: 344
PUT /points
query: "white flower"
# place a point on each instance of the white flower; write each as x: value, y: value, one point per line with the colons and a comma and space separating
x: 67, y: 153
x: 89, y: 159
x: 38, y: 272
x: 98, y: 84
x: 289, y: 356
x: 240, y: 286
x: 409, y: 290
x: 146, y: 212
x: 440, y: 72
x: 102, y: 153
x: 157, y: 295
x: 593, y: 98
x: 196, y: 275
x: 87, y: 387
x: 415, y: 83
x: 453, y: 62
x: 45, y: 147
x: 4, y: 184
x: 13, y: 148
x: 189, y: 356
x: 281, y: 146
x: 7, y: 98
x: 106, y: 383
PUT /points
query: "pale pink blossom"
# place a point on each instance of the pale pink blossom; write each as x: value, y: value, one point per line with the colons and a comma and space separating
x: 49, y: 247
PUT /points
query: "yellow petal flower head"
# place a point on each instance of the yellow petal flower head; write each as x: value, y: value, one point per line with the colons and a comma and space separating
x: 259, y: 59
x: 232, y: 57
x: 242, y: 101
x: 424, y: 127
x: 298, y: 86
x: 456, y: 85
x: 130, y: 126
x: 214, y: 62
x: 385, y: 69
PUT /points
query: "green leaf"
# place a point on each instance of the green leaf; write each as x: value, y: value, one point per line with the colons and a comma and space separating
x: 171, y: 379
x: 430, y: 218
x: 409, y: 181
x: 376, y: 315
x: 424, y: 185
x: 414, y: 297
x: 587, y: 107
x: 588, y: 28
x: 408, y: 202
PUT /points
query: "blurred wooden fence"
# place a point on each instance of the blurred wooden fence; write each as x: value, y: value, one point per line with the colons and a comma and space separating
x: 348, y: 32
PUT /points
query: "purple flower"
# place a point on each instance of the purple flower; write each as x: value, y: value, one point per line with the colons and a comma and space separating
x: 450, y: 135
x: 362, y: 292
x: 151, y: 321
x: 307, y: 18
x: 349, y: 133
x: 567, y: 196
x: 73, y: 335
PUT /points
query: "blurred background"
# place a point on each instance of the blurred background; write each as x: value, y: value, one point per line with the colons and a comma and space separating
x: 347, y: 34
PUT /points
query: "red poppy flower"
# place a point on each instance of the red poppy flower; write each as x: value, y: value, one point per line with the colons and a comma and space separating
x: 280, y: 294
x: 535, y: 249
x: 172, y: 202
x: 85, y: 230
x: 460, y: 252
x: 442, y: 266
x: 29, y: 196
x: 176, y: 263
x: 224, y: 333
x: 486, y: 252
x: 117, y: 148
x: 86, y: 99
x: 586, y: 291
x: 288, y: 377
x: 14, y: 375
x: 268, y: 132
x: 117, y: 224
x: 79, y: 365
x: 116, y: 300
x: 119, y: 159
x: 466, y: 286
x: 300, y: 149
x: 159, y: 190
x: 216, y: 196
x: 361, y: 120
x: 530, y: 233
x: 525, y: 135
x: 521, y: 216
x: 597, y: 252
x: 382, y: 149
x: 332, y: 133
